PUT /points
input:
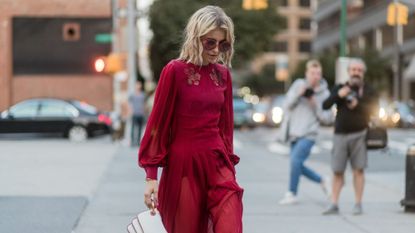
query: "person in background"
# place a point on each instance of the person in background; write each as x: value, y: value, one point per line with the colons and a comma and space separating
x: 300, y: 126
x: 137, y: 105
x: 355, y: 101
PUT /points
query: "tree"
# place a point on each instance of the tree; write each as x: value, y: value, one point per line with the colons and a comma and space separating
x: 254, y: 30
x: 377, y: 74
x: 378, y: 69
x: 264, y: 83
x: 328, y: 63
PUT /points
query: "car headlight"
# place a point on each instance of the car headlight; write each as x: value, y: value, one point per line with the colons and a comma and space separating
x: 382, y: 114
x: 277, y: 113
x: 396, y: 117
x: 258, y: 117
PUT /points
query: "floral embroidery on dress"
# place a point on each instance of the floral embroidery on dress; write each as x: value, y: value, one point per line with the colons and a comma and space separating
x: 192, y: 76
x: 215, y: 76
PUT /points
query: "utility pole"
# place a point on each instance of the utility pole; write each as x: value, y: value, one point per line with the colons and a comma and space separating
x: 343, y: 26
x: 398, y: 43
x: 342, y: 60
x: 131, y: 59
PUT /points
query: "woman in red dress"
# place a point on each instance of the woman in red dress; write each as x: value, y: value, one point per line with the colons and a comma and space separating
x: 190, y: 133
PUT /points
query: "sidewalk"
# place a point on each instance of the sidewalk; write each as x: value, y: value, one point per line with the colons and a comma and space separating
x: 264, y: 178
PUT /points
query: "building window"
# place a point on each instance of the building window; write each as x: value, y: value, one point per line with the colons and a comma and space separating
x: 387, y: 36
x: 305, y: 24
x: 71, y: 31
x: 284, y: 23
x: 279, y: 46
x: 408, y: 30
x: 369, y: 39
x: 305, y: 46
x: 305, y: 3
x: 282, y: 2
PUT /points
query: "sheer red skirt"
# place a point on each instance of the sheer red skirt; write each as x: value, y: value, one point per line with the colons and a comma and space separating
x: 198, y: 191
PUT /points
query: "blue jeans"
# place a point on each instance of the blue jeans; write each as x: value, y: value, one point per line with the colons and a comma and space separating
x: 300, y: 151
x: 138, y: 122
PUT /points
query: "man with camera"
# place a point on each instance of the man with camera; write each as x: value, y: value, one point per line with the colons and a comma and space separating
x: 302, y: 115
x: 355, y: 102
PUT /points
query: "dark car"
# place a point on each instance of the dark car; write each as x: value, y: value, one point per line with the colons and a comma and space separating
x: 242, y: 113
x: 72, y: 118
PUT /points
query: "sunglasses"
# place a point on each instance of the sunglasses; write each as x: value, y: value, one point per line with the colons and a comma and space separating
x: 209, y: 44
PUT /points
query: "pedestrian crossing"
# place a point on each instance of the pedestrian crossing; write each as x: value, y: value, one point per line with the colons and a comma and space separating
x: 398, y: 141
x: 323, y: 146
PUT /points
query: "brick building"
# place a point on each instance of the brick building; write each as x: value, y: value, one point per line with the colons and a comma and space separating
x: 293, y: 41
x: 47, y: 49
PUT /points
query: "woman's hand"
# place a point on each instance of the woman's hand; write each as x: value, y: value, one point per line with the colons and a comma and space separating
x: 151, y: 195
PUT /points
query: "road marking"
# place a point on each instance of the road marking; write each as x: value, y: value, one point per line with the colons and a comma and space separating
x: 278, y: 148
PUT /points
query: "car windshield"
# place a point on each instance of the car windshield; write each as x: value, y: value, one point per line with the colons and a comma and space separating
x: 261, y: 107
x: 85, y: 107
x: 27, y: 108
x: 240, y: 104
x: 405, y: 110
x: 278, y: 101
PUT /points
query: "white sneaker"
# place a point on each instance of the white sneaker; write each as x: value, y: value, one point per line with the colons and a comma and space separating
x: 326, y: 186
x: 288, y: 199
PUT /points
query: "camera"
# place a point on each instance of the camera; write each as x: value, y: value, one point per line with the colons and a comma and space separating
x: 353, y: 94
x: 308, y: 92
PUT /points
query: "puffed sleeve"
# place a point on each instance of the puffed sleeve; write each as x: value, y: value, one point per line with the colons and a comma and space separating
x: 226, y: 120
x: 155, y: 143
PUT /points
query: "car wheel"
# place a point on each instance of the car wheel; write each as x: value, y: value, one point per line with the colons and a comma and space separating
x: 77, y: 133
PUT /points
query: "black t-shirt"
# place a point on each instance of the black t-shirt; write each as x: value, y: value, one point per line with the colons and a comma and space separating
x: 352, y: 120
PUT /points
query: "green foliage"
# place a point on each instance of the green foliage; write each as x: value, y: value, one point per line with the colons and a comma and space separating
x: 265, y: 83
x: 254, y: 30
x: 328, y: 63
x: 378, y: 68
x: 167, y: 21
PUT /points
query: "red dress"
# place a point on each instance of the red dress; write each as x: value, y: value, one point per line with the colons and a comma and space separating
x: 190, y: 134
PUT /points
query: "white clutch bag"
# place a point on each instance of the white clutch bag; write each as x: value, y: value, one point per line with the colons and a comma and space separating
x: 146, y: 223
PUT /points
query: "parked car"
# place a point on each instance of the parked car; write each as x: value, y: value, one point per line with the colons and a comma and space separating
x: 260, y: 110
x: 74, y: 119
x: 276, y: 111
x: 404, y: 114
x: 242, y: 113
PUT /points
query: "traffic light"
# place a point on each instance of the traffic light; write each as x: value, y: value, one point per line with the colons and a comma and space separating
x: 110, y: 64
x: 401, y: 18
x: 403, y: 14
x: 255, y: 4
x: 114, y: 63
x: 99, y: 64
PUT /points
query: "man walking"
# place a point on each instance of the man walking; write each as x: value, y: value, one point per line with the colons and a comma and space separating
x: 137, y: 103
x: 303, y: 108
x: 355, y: 102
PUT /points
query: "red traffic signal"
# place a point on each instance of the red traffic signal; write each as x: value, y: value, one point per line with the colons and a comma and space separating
x: 99, y: 64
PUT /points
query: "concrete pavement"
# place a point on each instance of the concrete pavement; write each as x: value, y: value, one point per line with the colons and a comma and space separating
x: 264, y: 176
x: 46, y: 183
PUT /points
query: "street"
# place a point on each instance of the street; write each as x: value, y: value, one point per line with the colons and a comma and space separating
x: 51, y: 185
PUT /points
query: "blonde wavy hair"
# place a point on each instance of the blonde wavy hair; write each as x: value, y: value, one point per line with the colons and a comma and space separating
x: 200, y: 23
